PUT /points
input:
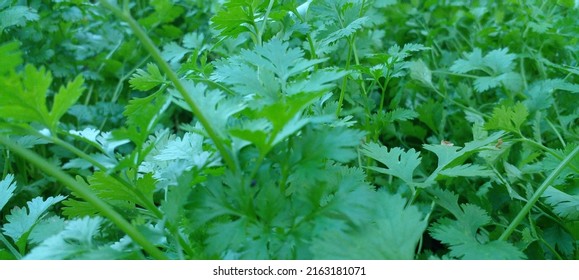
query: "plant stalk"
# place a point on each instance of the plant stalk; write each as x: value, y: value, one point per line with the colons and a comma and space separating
x: 527, y: 208
x: 156, y: 54
x: 86, y: 194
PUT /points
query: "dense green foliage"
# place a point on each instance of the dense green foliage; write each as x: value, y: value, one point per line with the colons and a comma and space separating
x: 287, y: 129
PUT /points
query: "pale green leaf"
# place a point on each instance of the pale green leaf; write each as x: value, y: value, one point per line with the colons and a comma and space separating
x: 21, y: 220
x: 399, y: 163
x: 76, y: 241
x: 565, y: 205
x: 65, y: 98
x: 467, y: 170
x: 393, y: 234
x: 7, y: 187
x: 146, y: 80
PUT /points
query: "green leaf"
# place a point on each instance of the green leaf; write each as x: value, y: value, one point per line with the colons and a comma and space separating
x: 23, y: 97
x: 400, y: 114
x: 393, y: 234
x: 146, y: 80
x: 7, y: 187
x: 564, y: 205
x: 344, y: 32
x: 335, y: 144
x: 213, y: 103
x: 448, y: 155
x: 76, y: 241
x: 17, y: 16
x: 172, y: 155
x: 540, y: 93
x: 431, y: 113
x: 560, y: 239
x: 497, y: 62
x: 261, y: 74
x: 46, y: 228
x: 497, y: 66
x: 237, y: 16
x: 467, y: 170
x: 472, y: 61
x: 400, y: 163
x: 500, y: 61
x: 65, y: 98
x: 11, y: 57
x: 142, y: 116
x: 420, y: 72
x: 462, y: 234
x: 22, y: 220
x: 112, y: 191
x: 173, y: 53
x: 508, y: 118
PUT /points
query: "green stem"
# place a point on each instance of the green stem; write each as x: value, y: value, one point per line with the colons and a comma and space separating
x: 156, y: 54
x: 344, y: 82
x: 86, y: 194
x: 265, y: 16
x: 546, y: 149
x: 527, y: 208
x: 456, y: 103
x: 6, y: 163
x: 308, y: 35
x: 149, y: 205
x: 8, y: 245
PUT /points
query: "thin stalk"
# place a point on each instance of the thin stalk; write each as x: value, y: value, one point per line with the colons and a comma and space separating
x: 6, y: 163
x: 344, y: 83
x: 527, y: 208
x: 86, y: 194
x: 142, y: 199
x: 456, y: 103
x: 265, y: 16
x: 11, y: 248
x: 557, y: 133
x: 308, y: 35
x: 156, y: 54
x: 383, y: 93
x: 546, y: 149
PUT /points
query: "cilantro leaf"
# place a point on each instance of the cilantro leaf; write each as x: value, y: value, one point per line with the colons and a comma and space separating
x: 171, y: 155
x: 11, y: 57
x: 17, y: 16
x: 393, y: 234
x: 462, y: 234
x: 565, y: 205
x: 469, y: 170
x: 497, y: 65
x: 142, y: 116
x: 22, y: 220
x: 146, y: 80
x: 76, y: 241
x: 46, y: 228
x: 508, y: 118
x: 25, y: 99
x: 238, y: 16
x: 113, y: 192
x: 65, y: 98
x: 400, y: 163
x: 216, y: 107
x: 448, y: 155
x: 173, y: 53
x: 559, y: 238
x: 7, y: 187
x: 540, y: 93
